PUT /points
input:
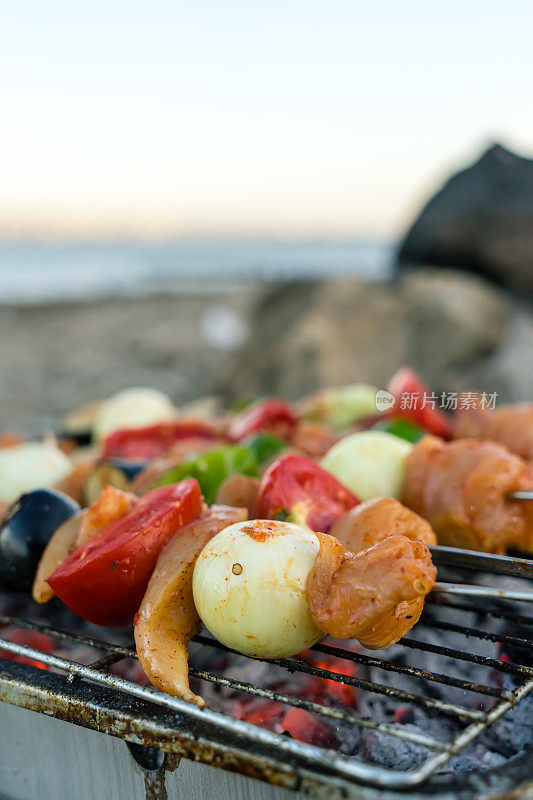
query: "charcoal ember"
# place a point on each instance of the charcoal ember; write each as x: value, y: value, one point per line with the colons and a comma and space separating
x: 439, y: 691
x: 451, y: 667
x: 204, y: 657
x: 432, y: 723
x: 212, y: 695
x: 388, y: 751
x: 310, y: 728
x: 130, y: 670
x: 351, y: 739
x: 513, y: 732
x: 404, y: 715
x: 322, y: 731
x: 258, y: 673
x: 473, y: 759
x: 435, y: 724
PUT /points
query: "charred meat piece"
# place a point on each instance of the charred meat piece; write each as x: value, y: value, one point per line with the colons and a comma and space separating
x: 463, y: 488
x: 375, y: 596
x: 369, y: 523
x: 167, y: 617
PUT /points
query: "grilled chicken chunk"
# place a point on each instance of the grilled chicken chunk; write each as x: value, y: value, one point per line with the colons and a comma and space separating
x: 238, y: 491
x: 370, y: 522
x: 463, y: 489
x: 510, y: 425
x: 375, y: 596
x: 167, y: 618
x: 312, y: 439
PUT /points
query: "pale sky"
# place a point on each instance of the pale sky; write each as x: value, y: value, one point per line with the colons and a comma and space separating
x: 284, y: 118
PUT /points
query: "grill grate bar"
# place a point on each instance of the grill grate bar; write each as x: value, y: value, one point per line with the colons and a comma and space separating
x: 475, y: 729
x: 76, y: 670
x: 325, y: 711
x: 349, y: 768
x: 515, y: 641
x: 444, y: 602
x: 58, y: 633
x: 376, y: 688
x: 460, y: 655
x: 129, y: 652
x: 403, y: 696
x: 414, y: 672
x: 106, y: 661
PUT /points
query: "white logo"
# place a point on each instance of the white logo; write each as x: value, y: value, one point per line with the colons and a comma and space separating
x: 384, y: 400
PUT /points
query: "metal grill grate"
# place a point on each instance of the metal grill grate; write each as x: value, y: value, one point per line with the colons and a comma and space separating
x: 315, y: 759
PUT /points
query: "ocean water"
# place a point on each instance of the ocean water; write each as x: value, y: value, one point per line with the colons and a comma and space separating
x: 34, y: 272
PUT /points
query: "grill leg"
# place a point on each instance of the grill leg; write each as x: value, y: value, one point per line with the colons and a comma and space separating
x: 148, y: 758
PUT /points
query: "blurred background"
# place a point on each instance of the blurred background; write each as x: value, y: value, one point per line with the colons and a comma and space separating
x: 242, y: 198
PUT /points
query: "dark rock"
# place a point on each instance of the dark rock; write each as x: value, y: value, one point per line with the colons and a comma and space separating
x: 481, y: 221
x: 322, y: 334
x: 454, y: 318
x: 346, y: 331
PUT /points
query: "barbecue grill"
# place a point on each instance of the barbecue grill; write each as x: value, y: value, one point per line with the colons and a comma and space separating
x: 160, y: 729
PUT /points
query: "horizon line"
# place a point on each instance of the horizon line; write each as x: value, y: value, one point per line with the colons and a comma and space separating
x: 214, y: 237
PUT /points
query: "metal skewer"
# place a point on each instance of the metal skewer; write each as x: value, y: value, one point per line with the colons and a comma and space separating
x: 483, y: 562
x: 521, y: 496
x: 469, y: 590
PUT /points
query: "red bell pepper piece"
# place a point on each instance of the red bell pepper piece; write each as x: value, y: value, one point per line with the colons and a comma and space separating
x: 271, y: 416
x: 154, y: 440
x: 297, y: 489
x: 415, y: 392
x: 105, y: 580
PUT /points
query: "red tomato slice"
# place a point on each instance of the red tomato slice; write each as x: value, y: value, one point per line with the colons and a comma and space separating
x: 154, y: 440
x: 271, y: 416
x: 407, y: 383
x: 104, y: 581
x: 299, y: 490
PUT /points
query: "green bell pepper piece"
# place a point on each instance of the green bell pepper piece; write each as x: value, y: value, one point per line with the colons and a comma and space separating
x: 212, y: 468
x: 264, y: 446
x: 403, y: 429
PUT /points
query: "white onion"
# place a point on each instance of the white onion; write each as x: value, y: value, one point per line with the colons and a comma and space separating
x: 32, y: 465
x: 341, y: 406
x: 249, y: 588
x: 132, y: 408
x: 370, y: 463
